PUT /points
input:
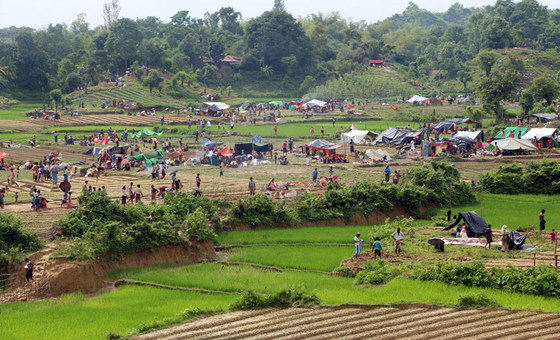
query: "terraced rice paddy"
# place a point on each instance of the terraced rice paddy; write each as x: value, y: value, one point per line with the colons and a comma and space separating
x: 398, y: 322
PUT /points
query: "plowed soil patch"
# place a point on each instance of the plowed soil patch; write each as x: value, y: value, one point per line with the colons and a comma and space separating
x: 349, y: 322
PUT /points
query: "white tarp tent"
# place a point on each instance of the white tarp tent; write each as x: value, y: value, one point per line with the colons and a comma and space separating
x: 377, y: 155
x: 357, y: 136
x: 512, y: 144
x: 468, y: 134
x: 540, y: 133
x: 217, y: 106
x: 417, y: 99
x: 315, y: 102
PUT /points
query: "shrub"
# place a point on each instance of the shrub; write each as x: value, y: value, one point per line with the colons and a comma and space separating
x: 259, y: 209
x: 196, y: 227
x: 343, y: 271
x: 536, y: 178
x: 291, y: 296
x: 14, y: 241
x: 476, y: 301
x: 377, y: 272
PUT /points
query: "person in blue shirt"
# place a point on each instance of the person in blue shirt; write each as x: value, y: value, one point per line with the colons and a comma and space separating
x: 376, y: 248
x: 315, y: 175
x: 387, y: 173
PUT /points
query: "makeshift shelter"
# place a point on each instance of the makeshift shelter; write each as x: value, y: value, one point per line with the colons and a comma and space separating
x: 417, y: 99
x: 217, y: 106
x: 95, y: 151
x: 210, y: 144
x: 117, y: 150
x: 248, y: 148
x: 398, y: 136
x: 3, y: 155
x: 319, y: 143
x: 145, y: 133
x: 316, y: 103
x: 445, y: 125
x: 512, y: 144
x: 104, y: 141
x: 225, y: 152
x: 357, y: 136
x: 473, y: 135
x: 459, y: 121
x: 541, y: 134
x: 257, y: 139
x: 516, y: 132
x: 516, y: 240
x: 476, y: 224
x: 276, y: 104
x: 546, y: 117
x: 378, y: 155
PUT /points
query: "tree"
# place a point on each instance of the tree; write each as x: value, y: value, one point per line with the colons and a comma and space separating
x: 80, y: 25
x: 56, y: 96
x: 153, y: 80
x: 73, y: 80
x: 111, y: 11
x: 306, y: 84
x: 464, y: 77
x: 216, y: 49
x: 279, y: 6
x: 275, y: 35
x: 486, y: 60
x: 139, y: 72
x: 502, y: 86
x: 123, y: 39
x: 30, y: 63
x: 544, y: 88
x: 181, y: 76
x: 527, y: 102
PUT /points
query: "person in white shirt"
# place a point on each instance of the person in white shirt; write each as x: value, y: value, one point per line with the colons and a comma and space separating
x: 358, y: 244
x: 398, y: 236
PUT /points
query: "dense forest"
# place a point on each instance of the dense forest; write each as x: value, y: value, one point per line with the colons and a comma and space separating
x: 486, y: 49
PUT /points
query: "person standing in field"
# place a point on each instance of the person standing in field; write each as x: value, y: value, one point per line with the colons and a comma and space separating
x: 323, y: 131
x: 69, y: 204
x: 221, y: 171
x: 315, y: 175
x: 154, y: 192
x: 251, y: 187
x: 387, y: 173
x: 131, y: 192
x: 398, y: 236
x: 198, y: 180
x: 376, y: 248
x: 505, y: 238
x: 28, y: 270
x: 542, y: 222
x: 275, y: 130
x: 358, y: 244
x: 312, y: 131
x: 123, y: 196
x: 488, y: 235
x: 397, y: 177
x: 138, y: 193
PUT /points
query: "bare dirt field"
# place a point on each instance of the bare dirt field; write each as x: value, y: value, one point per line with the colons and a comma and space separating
x: 381, y: 322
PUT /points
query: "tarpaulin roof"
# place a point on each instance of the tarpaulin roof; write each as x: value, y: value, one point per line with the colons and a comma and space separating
x: 224, y: 152
x: 467, y: 134
x: 104, y: 141
x: 546, y: 117
x: 516, y: 239
x: 356, y: 136
x: 445, y: 125
x: 115, y: 150
x: 463, y: 121
x: 476, y: 223
x: 217, y: 106
x: 276, y: 103
x: 210, y: 144
x: 256, y: 139
x: 3, y: 155
x: 397, y: 135
x: 540, y: 133
x: 316, y: 102
x: 319, y: 143
x: 94, y: 151
x: 145, y: 133
x: 512, y: 144
x: 379, y: 154
x: 516, y: 131
x: 417, y: 99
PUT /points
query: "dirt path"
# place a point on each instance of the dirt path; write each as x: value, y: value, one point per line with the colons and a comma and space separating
x: 349, y: 322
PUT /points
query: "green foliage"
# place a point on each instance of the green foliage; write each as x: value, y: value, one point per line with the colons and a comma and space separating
x: 259, y: 209
x: 541, y: 280
x: 536, y: 178
x: 477, y: 301
x: 196, y: 227
x: 377, y: 272
x: 291, y: 296
x: 14, y: 240
x: 153, y: 80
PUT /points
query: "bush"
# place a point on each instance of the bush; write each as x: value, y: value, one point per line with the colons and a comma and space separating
x: 196, y: 227
x: 291, y: 296
x: 343, y: 271
x: 476, y: 301
x: 259, y: 209
x: 377, y: 272
x: 14, y: 241
x: 536, y: 178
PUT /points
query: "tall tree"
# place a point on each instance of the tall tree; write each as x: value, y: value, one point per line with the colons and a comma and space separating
x: 153, y: 80
x: 111, y: 11
x: 279, y: 6
x: 494, y: 90
x: 30, y: 63
x: 486, y: 60
x: 123, y: 40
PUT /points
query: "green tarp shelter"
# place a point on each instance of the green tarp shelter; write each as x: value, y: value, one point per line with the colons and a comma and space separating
x: 150, y: 158
x: 145, y: 133
x: 515, y: 130
x: 276, y: 103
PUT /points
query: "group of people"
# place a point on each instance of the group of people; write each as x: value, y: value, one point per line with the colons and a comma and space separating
x: 376, y: 247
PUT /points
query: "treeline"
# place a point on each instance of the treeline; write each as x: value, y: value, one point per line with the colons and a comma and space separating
x: 277, y: 46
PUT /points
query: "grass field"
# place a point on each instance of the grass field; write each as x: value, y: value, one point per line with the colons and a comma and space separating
x: 18, y: 111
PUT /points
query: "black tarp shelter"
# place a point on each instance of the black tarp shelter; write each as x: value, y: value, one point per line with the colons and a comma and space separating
x: 516, y: 239
x: 476, y: 224
x: 398, y: 135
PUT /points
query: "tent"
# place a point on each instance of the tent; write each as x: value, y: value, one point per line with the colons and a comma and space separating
x: 210, y: 144
x: 468, y: 134
x: 145, y: 133
x: 116, y: 150
x: 276, y: 104
x: 417, y: 99
x: 257, y: 139
x: 378, y: 155
x: 546, y: 117
x: 398, y: 136
x: 516, y: 239
x: 540, y: 133
x: 460, y: 121
x: 516, y: 131
x: 248, y: 148
x: 319, y: 143
x: 476, y: 224
x: 95, y: 151
x: 356, y: 136
x: 512, y: 144
x: 217, y: 106
x: 445, y: 125
x: 224, y: 152
x: 316, y: 103
x: 104, y: 141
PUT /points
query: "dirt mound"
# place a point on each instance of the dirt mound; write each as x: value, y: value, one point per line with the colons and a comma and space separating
x: 60, y: 276
x: 358, y: 264
x: 383, y: 322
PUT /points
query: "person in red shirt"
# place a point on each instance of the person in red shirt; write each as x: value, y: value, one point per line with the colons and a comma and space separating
x: 275, y: 130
